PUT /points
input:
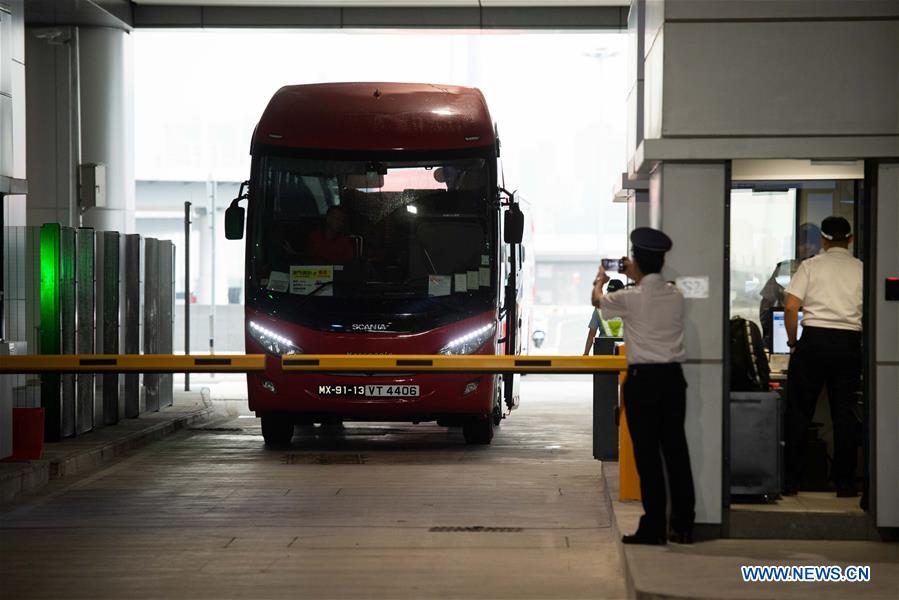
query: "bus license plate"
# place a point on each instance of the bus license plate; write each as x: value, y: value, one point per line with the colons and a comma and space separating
x: 370, y: 391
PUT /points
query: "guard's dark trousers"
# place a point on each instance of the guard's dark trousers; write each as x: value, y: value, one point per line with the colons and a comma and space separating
x: 830, y: 357
x: 655, y: 406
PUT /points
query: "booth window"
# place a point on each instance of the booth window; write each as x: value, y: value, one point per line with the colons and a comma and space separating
x: 775, y: 225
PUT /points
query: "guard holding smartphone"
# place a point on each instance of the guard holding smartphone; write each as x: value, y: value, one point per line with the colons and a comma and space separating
x: 655, y: 389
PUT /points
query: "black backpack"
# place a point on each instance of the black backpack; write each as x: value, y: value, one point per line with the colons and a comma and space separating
x: 749, y: 370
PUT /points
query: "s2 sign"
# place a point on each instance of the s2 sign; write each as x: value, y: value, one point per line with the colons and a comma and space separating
x: 693, y: 288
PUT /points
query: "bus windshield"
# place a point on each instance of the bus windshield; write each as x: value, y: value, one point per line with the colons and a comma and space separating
x: 339, y: 229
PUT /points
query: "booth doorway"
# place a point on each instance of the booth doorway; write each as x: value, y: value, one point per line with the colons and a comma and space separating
x: 775, y: 212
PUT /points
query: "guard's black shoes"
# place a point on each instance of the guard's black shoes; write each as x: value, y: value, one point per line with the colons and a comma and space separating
x: 789, y: 490
x: 642, y: 538
x: 681, y: 537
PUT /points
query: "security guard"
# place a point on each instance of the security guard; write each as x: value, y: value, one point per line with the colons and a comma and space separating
x: 655, y: 389
x: 828, y: 288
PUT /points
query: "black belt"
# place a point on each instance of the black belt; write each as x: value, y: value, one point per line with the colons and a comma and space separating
x: 654, y: 367
x: 832, y: 331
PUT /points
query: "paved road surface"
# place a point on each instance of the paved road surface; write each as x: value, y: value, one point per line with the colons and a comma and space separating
x: 374, y: 511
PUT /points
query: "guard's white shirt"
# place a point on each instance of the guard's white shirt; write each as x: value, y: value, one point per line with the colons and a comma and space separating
x: 830, y: 288
x: 653, y: 315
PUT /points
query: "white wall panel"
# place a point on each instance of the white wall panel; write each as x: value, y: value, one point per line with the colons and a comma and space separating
x: 887, y: 348
x: 781, y: 78
x: 6, y: 28
x: 780, y: 170
x: 781, y: 9
x: 653, y: 83
x: 634, y: 104
x: 18, y: 120
x: 653, y: 21
x: 17, y: 7
x: 887, y: 446
x: 636, y: 25
x: 6, y: 128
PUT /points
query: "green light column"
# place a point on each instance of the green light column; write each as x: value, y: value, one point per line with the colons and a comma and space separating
x: 49, y: 326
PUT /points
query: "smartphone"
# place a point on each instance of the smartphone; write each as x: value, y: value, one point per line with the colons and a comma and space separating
x: 613, y: 264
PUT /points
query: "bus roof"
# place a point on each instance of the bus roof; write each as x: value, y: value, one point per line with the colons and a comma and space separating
x: 376, y: 116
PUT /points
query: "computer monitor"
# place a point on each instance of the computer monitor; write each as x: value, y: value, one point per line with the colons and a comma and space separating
x: 779, y: 332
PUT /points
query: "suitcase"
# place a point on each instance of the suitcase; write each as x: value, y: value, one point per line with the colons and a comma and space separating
x: 756, y: 447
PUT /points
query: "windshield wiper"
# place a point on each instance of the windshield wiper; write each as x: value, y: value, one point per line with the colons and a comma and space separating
x: 428, y: 256
x: 319, y: 288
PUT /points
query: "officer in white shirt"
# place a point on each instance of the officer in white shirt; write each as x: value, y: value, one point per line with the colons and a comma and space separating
x: 828, y: 289
x: 655, y: 389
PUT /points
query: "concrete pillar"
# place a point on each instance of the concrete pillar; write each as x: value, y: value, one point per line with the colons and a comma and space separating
x: 688, y: 202
x: 80, y: 110
x: 107, y: 122
x: 51, y: 125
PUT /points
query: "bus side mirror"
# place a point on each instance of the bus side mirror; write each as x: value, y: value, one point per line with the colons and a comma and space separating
x: 513, y: 225
x: 234, y: 216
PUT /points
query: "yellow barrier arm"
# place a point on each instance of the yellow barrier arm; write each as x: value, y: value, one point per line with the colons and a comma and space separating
x: 428, y: 363
x: 297, y: 363
x: 132, y: 363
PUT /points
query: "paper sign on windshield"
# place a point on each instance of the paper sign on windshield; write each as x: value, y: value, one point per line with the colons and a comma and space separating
x: 278, y: 281
x: 484, y: 276
x: 440, y: 285
x: 305, y: 279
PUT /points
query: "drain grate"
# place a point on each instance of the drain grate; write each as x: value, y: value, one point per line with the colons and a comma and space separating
x: 476, y: 529
x: 324, y: 459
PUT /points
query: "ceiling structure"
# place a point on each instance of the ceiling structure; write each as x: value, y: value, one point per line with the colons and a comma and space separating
x: 458, y: 14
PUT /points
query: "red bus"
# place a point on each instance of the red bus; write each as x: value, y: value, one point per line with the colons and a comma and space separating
x: 374, y: 227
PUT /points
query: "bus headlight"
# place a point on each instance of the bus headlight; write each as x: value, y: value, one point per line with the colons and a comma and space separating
x: 276, y: 344
x: 471, y: 342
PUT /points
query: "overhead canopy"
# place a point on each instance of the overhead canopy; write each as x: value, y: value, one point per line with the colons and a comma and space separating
x: 458, y: 14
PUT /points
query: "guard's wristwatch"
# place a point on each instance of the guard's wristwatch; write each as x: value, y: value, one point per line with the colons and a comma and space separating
x: 791, y: 344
